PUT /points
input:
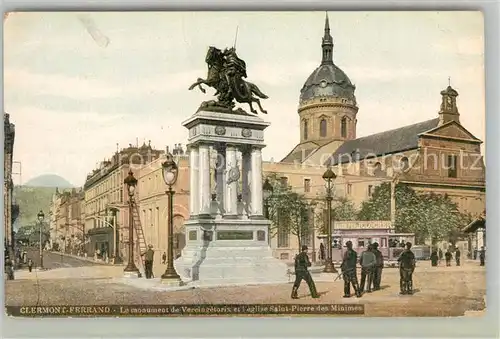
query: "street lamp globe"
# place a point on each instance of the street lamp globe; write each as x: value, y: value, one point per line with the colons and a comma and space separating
x: 131, y: 182
x: 170, y: 170
x: 267, y: 189
x: 40, y: 216
x: 329, y: 175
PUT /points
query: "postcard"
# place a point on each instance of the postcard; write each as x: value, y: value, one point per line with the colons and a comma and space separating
x: 278, y: 164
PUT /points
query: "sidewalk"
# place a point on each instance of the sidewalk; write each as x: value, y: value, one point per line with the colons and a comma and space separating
x: 89, y: 259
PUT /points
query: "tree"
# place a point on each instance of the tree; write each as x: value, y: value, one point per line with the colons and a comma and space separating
x: 342, y: 209
x: 289, y: 211
x: 428, y: 215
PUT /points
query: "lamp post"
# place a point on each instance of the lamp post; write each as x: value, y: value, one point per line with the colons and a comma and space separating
x: 267, y: 191
x: 41, y: 216
x: 329, y: 176
x: 131, y: 182
x: 170, y: 173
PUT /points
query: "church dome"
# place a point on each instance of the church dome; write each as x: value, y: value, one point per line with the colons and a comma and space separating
x: 328, y: 81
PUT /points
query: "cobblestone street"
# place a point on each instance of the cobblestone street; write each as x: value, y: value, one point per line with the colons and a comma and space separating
x: 441, y: 291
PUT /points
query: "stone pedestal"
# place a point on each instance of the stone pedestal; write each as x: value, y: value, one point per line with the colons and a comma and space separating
x: 229, y: 244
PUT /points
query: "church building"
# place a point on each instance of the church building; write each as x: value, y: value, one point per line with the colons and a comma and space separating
x: 438, y: 155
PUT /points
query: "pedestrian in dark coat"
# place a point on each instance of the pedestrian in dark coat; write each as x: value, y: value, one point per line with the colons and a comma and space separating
x: 349, y: 273
x: 448, y: 256
x: 482, y: 256
x: 321, y: 251
x: 457, y: 257
x: 406, y: 267
x: 379, y: 266
x: 148, y: 262
x: 434, y: 258
x: 164, y: 258
x: 302, y: 264
x: 30, y: 265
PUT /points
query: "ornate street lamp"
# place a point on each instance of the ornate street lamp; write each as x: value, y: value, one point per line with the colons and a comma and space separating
x: 329, y: 177
x: 40, y: 217
x: 170, y: 173
x: 267, y: 191
x: 130, y: 181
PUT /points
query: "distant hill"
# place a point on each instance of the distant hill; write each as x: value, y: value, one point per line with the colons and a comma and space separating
x: 31, y: 200
x: 49, y: 180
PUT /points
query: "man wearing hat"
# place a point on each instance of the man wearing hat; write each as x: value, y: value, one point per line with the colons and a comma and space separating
x: 301, y: 272
x: 148, y: 261
x: 406, y: 267
x: 379, y: 265
x: 349, y: 274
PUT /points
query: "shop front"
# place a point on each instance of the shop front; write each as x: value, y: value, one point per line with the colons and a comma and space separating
x: 101, y: 244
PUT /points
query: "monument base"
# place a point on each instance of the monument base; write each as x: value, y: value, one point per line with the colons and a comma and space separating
x: 229, y: 251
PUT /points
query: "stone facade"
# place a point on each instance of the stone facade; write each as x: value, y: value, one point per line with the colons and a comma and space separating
x: 67, y: 215
x: 152, y: 202
x: 10, y: 213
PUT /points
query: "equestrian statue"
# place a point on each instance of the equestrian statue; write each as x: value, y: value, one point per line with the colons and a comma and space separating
x: 225, y: 74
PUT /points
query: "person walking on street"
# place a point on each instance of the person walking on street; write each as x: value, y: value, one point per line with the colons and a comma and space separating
x: 321, y: 251
x: 349, y: 274
x: 367, y: 261
x: 448, y: 257
x: 434, y: 258
x: 379, y: 266
x: 30, y: 265
x: 440, y: 254
x: 302, y: 273
x: 164, y: 258
x: 482, y: 256
x: 148, y: 262
x: 406, y: 267
x: 457, y: 256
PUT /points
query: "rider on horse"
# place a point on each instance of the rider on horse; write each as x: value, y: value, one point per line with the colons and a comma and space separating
x: 233, y: 64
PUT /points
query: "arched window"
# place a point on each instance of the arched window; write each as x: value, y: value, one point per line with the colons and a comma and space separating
x: 322, y: 128
x: 343, y: 127
x: 305, y: 130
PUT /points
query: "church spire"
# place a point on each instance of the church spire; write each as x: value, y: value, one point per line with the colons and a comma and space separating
x: 327, y: 44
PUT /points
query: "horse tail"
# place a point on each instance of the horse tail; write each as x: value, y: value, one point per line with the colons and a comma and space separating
x: 257, y: 91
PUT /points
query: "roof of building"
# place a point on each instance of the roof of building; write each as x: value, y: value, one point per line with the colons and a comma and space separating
x: 475, y: 225
x: 327, y: 80
x: 388, y: 142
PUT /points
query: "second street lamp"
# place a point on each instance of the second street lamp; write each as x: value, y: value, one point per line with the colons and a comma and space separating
x: 131, y: 269
x: 40, y: 217
x: 329, y: 177
x: 170, y: 173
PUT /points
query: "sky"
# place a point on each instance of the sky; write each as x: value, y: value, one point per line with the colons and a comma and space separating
x: 78, y: 84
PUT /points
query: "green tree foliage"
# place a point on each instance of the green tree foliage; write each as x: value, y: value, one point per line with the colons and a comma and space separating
x: 342, y: 209
x: 428, y: 215
x: 288, y: 210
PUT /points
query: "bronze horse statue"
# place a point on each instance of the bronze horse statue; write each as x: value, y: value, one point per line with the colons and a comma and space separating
x: 227, y: 80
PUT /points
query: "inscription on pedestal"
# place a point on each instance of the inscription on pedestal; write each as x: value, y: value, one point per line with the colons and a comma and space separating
x: 235, y: 235
x: 192, y: 235
x: 261, y: 235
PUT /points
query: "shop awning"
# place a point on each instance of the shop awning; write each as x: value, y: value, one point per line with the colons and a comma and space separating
x: 475, y: 225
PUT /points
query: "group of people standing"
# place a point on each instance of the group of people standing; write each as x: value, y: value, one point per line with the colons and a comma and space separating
x: 372, y: 264
x: 437, y: 256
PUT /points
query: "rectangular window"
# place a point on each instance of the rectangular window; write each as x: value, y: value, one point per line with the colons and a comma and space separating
x: 151, y: 223
x: 370, y: 190
x: 307, y: 185
x: 452, y: 166
x: 283, y: 237
x: 349, y: 189
x: 284, y: 182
